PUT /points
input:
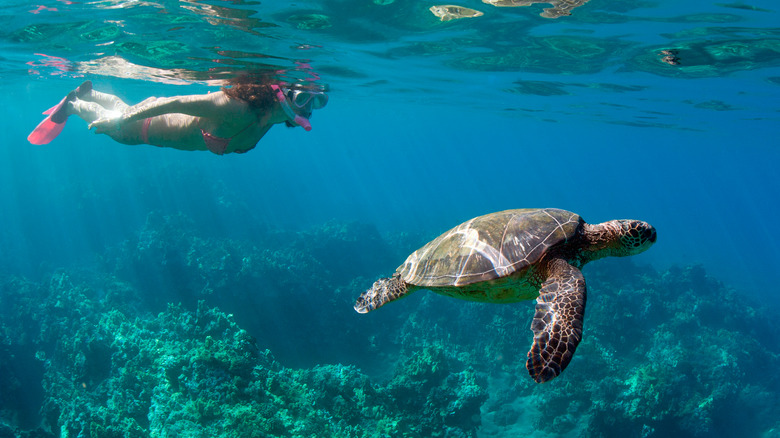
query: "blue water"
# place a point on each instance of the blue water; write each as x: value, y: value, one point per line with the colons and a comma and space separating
x: 425, y: 129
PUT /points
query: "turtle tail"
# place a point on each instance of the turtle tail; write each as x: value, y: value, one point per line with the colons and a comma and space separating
x: 382, y: 292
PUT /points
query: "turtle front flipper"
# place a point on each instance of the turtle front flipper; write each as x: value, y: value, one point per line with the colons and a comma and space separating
x: 382, y: 292
x: 557, y: 324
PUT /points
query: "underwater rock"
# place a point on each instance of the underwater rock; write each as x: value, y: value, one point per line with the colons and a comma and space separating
x: 559, y: 9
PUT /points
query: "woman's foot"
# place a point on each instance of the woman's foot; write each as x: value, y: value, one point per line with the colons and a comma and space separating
x: 84, y: 89
x: 60, y: 115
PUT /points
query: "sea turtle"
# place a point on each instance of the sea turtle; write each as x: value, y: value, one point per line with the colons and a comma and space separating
x: 452, y: 12
x: 518, y: 255
x: 560, y: 7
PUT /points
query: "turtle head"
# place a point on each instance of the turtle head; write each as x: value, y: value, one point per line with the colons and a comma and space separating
x: 634, y: 237
x: 618, y: 238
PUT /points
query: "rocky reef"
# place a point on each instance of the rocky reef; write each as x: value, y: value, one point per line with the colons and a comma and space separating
x: 177, y: 334
x: 107, y: 371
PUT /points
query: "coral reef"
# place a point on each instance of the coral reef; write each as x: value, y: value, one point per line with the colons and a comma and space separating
x: 108, y: 373
x: 663, y: 354
x: 173, y: 336
x: 268, y: 283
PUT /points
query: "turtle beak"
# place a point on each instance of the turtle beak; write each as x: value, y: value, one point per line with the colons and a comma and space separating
x: 647, y: 233
x: 653, y: 234
x: 647, y: 237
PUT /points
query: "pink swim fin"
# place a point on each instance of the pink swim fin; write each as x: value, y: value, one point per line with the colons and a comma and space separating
x: 54, y: 108
x: 48, y: 130
x: 56, y: 116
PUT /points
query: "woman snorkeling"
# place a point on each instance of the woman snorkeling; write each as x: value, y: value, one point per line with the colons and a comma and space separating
x: 233, y: 119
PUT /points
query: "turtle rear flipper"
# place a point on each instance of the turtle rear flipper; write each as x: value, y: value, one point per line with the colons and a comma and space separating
x: 382, y: 292
x: 557, y: 324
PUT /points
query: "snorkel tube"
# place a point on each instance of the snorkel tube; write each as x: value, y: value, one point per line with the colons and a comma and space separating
x: 295, y: 118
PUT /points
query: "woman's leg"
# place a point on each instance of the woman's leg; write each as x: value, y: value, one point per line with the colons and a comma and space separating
x: 127, y: 133
x: 108, y: 101
x: 90, y: 111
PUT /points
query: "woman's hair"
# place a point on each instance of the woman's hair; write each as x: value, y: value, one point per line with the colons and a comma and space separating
x: 256, y: 91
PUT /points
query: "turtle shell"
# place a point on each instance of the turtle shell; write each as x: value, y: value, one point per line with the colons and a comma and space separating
x: 489, y: 247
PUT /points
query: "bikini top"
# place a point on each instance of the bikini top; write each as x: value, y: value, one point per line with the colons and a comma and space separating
x: 219, y: 145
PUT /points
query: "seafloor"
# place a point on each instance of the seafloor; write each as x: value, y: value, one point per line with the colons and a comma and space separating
x: 261, y: 341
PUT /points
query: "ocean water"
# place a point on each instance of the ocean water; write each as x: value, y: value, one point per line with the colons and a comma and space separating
x: 155, y: 292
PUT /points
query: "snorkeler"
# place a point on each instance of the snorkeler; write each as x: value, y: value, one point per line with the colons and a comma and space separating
x: 233, y: 119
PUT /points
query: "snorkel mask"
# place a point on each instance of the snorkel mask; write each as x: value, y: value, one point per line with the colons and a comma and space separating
x: 303, y: 100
